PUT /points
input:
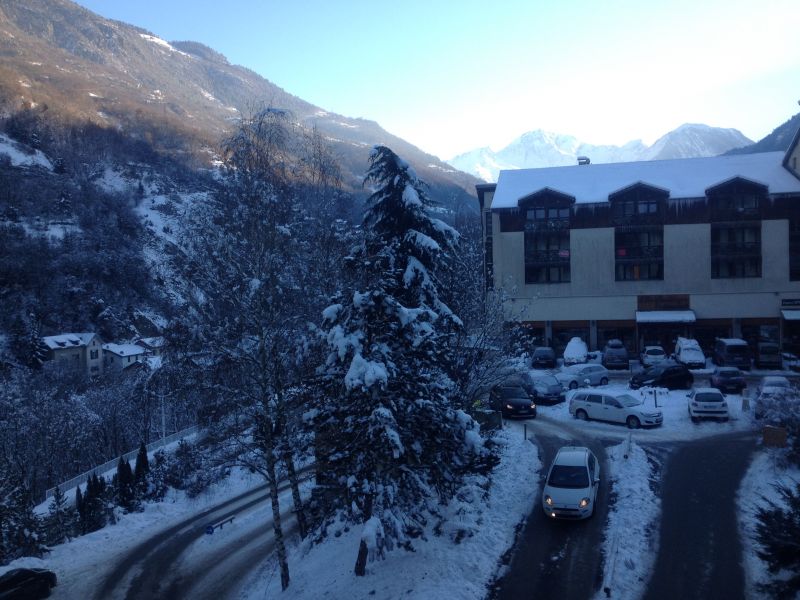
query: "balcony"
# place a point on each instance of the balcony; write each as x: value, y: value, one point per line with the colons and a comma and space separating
x: 546, y: 257
x: 736, y: 215
x: 637, y: 220
x: 639, y: 253
x: 546, y: 225
x: 736, y: 249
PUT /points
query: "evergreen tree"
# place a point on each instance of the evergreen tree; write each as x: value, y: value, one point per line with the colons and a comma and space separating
x: 141, y: 472
x: 60, y: 524
x: 125, y: 486
x: 20, y: 527
x: 390, y: 440
x: 778, y: 533
x: 158, y: 477
x: 79, y: 508
x: 93, y: 516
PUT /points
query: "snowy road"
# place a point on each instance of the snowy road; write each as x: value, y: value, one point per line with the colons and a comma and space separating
x: 557, y: 559
x: 185, y: 562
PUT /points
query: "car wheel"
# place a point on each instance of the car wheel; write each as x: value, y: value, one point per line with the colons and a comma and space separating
x: 632, y: 422
x: 604, y: 381
x: 573, y: 385
x: 581, y: 414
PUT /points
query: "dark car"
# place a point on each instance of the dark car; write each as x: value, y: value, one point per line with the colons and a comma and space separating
x: 543, y: 358
x: 670, y: 375
x: 547, y: 390
x: 728, y: 380
x: 615, y: 355
x: 512, y: 401
x: 768, y: 356
x: 26, y: 584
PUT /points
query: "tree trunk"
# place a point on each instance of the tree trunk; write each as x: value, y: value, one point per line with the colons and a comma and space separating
x: 300, y: 514
x: 363, y: 551
x: 280, y: 546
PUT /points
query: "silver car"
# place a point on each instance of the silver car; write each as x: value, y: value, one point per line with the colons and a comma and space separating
x: 575, y: 376
x: 622, y: 408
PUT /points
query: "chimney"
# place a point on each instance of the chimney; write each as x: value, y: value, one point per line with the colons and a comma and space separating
x: 584, y: 160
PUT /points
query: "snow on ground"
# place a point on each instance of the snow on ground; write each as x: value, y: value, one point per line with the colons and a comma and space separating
x: 677, y: 424
x: 82, y: 563
x: 440, y: 567
x: 630, y: 543
x: 763, y: 474
x: 22, y: 159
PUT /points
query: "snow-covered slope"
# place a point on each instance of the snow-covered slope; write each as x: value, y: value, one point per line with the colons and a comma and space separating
x: 546, y: 149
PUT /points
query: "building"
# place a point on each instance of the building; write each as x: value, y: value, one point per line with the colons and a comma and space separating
x: 647, y: 251
x: 76, y: 350
x: 153, y: 345
x: 121, y: 356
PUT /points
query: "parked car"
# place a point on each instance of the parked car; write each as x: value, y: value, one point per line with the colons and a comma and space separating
x: 731, y: 352
x: 667, y: 374
x: 543, y: 357
x: 575, y: 352
x: 790, y: 362
x: 774, y: 381
x: 24, y: 584
x: 624, y: 408
x: 577, y: 375
x: 773, y: 394
x: 728, y: 379
x: 768, y: 356
x: 688, y: 352
x: 512, y: 401
x: 570, y: 490
x: 547, y: 390
x: 707, y: 403
x: 652, y: 355
x: 615, y: 355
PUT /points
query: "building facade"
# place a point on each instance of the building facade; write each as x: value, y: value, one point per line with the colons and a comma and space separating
x: 647, y: 251
x: 82, y: 351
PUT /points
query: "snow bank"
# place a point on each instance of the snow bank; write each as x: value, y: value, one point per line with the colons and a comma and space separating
x: 631, y: 543
x: 458, y: 559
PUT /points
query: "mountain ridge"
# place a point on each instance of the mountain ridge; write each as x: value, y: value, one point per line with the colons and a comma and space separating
x: 541, y: 148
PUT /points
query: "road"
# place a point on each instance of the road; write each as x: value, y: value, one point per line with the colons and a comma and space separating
x: 699, y: 549
x: 165, y: 566
x: 700, y: 552
x: 557, y: 559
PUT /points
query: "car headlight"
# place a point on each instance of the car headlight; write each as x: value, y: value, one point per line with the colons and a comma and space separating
x: 533, y: 405
x: 509, y: 406
x: 548, y: 500
x: 584, y: 503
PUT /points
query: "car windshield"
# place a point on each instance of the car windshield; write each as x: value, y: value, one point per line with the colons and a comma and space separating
x: 729, y: 373
x: 628, y: 401
x: 545, y: 381
x: 512, y: 391
x: 614, y: 344
x: 776, y: 382
x: 655, y: 352
x: 564, y: 476
x: 708, y: 397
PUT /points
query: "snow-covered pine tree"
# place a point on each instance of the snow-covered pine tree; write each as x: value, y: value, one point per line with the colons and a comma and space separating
x: 20, y: 527
x: 141, y: 472
x: 124, y: 494
x: 391, y: 446
x: 60, y: 521
x: 778, y: 535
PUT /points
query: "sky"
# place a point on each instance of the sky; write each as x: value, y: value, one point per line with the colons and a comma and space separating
x: 453, y: 76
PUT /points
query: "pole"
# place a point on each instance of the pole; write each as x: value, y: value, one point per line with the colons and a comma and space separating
x: 163, y: 418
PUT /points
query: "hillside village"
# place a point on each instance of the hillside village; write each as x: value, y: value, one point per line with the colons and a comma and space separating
x: 90, y: 354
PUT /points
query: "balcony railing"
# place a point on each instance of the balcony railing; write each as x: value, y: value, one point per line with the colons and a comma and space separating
x: 733, y: 249
x: 734, y: 214
x: 639, y: 252
x: 637, y: 219
x: 545, y: 257
x: 546, y: 225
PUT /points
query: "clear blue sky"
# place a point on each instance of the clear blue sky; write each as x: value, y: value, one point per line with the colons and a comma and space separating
x: 452, y: 76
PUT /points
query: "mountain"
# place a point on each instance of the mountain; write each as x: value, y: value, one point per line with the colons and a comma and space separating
x: 180, y: 98
x: 545, y: 149
x: 779, y: 139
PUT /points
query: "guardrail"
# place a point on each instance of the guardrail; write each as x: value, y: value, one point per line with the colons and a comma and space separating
x: 111, y: 464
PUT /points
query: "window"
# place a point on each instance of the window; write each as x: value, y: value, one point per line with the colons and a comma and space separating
x: 794, y: 250
x: 552, y: 274
x: 612, y: 402
x: 735, y: 251
x: 639, y: 253
x: 595, y: 398
x: 547, y: 245
x: 93, y: 354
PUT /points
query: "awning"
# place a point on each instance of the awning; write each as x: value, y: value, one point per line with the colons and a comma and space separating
x: 791, y: 315
x: 665, y: 316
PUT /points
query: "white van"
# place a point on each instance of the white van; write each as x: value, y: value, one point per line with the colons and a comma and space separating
x: 688, y: 352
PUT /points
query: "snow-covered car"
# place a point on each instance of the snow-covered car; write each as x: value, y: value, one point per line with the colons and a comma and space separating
x: 547, y: 389
x: 707, y: 403
x: 576, y: 352
x: 622, y: 408
x: 768, y: 384
x: 790, y: 362
x: 688, y: 352
x: 652, y: 355
x: 570, y: 490
x: 615, y: 355
x: 575, y: 376
x: 512, y: 401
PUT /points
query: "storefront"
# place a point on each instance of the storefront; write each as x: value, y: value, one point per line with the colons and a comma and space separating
x: 663, y: 327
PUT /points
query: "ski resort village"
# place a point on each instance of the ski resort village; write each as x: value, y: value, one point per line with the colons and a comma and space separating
x: 251, y: 347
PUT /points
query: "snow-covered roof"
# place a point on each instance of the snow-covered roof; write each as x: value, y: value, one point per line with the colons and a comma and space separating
x: 68, y: 340
x: 683, y: 177
x: 152, y: 342
x: 124, y: 349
